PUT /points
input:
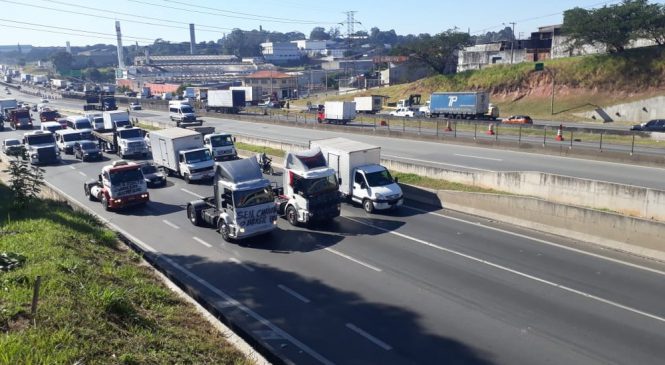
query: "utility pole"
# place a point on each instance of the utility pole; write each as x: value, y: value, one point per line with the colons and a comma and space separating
x: 512, y: 45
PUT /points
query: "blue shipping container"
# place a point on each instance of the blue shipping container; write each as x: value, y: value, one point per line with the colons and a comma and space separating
x: 463, y: 103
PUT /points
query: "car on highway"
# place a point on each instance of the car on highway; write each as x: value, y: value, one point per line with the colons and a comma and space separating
x: 517, y: 119
x: 11, y: 146
x: 63, y: 122
x: 44, y: 101
x: 655, y: 125
x: 405, y: 112
x: 152, y: 175
x: 135, y: 106
x: 87, y: 151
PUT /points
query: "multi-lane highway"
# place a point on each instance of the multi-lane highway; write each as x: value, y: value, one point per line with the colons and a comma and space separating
x: 418, y: 286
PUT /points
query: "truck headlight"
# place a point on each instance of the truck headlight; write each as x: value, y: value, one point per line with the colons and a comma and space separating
x: 241, y: 230
x: 118, y: 201
x: 380, y: 196
x: 144, y: 195
x: 34, y: 155
x: 274, y: 222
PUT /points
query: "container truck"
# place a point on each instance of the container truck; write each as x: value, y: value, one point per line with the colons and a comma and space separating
x: 7, y: 104
x: 41, y: 148
x: 120, y: 185
x: 180, y: 151
x: 221, y: 146
x: 183, y: 113
x: 225, y: 101
x: 463, y: 105
x: 337, y: 112
x: 253, y: 94
x: 361, y: 177
x: 368, y: 104
x: 310, y: 188
x: 242, y: 204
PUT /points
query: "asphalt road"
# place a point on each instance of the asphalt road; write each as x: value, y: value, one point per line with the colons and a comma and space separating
x: 417, y: 286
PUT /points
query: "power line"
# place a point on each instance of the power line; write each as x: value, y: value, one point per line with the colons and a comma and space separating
x: 72, y: 29
x: 57, y: 32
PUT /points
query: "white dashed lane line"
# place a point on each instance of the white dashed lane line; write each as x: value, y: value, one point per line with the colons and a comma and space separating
x: 170, y: 224
x: 293, y: 293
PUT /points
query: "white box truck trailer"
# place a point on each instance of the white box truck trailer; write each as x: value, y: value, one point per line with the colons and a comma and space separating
x: 180, y: 151
x: 368, y: 104
x: 337, y: 112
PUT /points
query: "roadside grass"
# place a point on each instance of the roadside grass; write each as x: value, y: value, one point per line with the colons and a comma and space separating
x: 259, y: 149
x: 147, y: 127
x: 98, y: 304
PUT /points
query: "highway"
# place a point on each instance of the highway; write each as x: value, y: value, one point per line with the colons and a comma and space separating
x: 449, y: 156
x: 418, y: 286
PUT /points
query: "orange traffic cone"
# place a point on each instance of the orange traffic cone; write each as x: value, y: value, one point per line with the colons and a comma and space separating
x: 559, y: 133
x: 490, y: 129
x: 448, y: 128
x: 383, y: 123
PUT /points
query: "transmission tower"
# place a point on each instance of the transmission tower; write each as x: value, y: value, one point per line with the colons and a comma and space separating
x: 350, y: 24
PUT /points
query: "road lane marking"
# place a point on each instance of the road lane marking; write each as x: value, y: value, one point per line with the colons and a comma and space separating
x: 192, y: 193
x: 82, y: 173
x: 72, y: 167
x: 170, y: 224
x: 350, y: 258
x: 512, y: 271
x: 292, y: 292
x: 373, y: 339
x: 478, y: 157
x: 438, y: 163
x: 228, y: 300
x: 202, y: 242
x: 246, y: 267
x: 539, y: 240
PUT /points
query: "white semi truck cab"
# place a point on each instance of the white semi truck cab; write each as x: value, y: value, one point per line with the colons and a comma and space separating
x: 243, y: 203
x: 221, y: 146
x: 130, y: 142
x: 362, y: 179
x: 310, y: 188
x: 41, y: 148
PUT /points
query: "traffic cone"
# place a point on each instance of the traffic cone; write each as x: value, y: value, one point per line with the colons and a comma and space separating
x: 490, y: 129
x: 383, y: 123
x: 559, y: 133
x: 448, y: 128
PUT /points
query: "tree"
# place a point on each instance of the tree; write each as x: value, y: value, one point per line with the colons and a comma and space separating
x: 319, y: 34
x: 333, y: 33
x: 25, y: 180
x: 437, y: 52
x: 652, y: 23
x: 62, y: 61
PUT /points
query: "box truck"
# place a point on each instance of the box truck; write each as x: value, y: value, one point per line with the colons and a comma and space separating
x: 253, y: 94
x: 180, y: 152
x: 463, y: 105
x: 225, y: 101
x: 361, y: 177
x: 368, y: 104
x: 337, y: 112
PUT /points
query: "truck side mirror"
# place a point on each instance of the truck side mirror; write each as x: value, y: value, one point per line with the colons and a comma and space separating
x: 396, y: 180
x: 339, y: 181
x: 99, y: 177
x: 234, y: 139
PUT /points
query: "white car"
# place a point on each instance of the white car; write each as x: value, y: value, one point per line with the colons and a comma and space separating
x: 405, y: 112
x: 135, y: 106
x: 11, y: 146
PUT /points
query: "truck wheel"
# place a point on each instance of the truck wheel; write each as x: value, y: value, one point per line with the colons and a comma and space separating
x: 86, y: 191
x: 188, y: 180
x: 368, y: 206
x: 292, y: 215
x: 105, y: 204
x: 194, y: 215
x: 223, y: 229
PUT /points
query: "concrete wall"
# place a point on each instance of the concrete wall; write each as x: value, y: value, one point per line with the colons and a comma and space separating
x: 635, y: 112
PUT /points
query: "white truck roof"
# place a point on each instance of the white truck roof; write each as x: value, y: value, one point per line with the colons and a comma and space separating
x: 245, y: 173
x: 175, y: 132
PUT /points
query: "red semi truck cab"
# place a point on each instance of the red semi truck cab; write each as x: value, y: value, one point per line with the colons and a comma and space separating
x: 120, y: 185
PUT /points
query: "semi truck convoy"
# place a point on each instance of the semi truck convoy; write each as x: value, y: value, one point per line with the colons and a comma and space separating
x: 119, y: 185
x: 337, y: 112
x: 180, y: 151
x: 463, y: 105
x: 41, y: 148
x: 225, y: 101
x: 368, y: 104
x: 242, y: 204
x: 361, y: 177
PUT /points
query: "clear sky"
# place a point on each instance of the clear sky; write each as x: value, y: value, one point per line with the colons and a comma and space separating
x: 43, y: 22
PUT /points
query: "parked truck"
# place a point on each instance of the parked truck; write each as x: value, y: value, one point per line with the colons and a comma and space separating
x: 368, y: 104
x: 119, y: 185
x: 225, y: 101
x: 41, y: 148
x: 242, y: 204
x: 253, y: 94
x: 310, y: 188
x: 337, y: 112
x: 361, y: 177
x: 180, y: 152
x: 463, y: 105
x: 119, y: 136
x: 221, y: 146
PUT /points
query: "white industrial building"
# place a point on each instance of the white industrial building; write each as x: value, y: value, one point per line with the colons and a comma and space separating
x: 280, y: 52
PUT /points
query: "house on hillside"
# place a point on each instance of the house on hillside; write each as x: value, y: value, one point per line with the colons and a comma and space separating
x: 280, y: 84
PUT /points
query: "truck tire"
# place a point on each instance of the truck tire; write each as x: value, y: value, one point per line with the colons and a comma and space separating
x: 223, y: 229
x: 193, y: 215
x: 292, y: 215
x: 105, y: 204
x: 86, y: 191
x: 188, y: 180
x: 368, y: 206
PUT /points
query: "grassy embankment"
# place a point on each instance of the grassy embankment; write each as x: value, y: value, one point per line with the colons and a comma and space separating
x: 582, y: 84
x: 98, y: 304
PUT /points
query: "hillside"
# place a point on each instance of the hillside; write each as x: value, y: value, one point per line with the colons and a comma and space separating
x: 582, y: 83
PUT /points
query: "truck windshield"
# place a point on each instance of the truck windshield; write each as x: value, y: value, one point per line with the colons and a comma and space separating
x: 46, y: 138
x: 87, y: 146
x: 130, y: 133
x: 248, y: 198
x: 53, y: 128
x: 313, y: 187
x: 221, y: 141
x: 123, y: 176
x: 50, y: 115
x: 69, y: 137
x: 198, y: 156
x: 186, y: 110
x: 120, y: 123
x: 379, y: 178
x: 83, y: 124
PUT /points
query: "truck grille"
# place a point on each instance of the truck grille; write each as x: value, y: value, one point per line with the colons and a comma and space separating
x: 203, y: 169
x: 46, y: 155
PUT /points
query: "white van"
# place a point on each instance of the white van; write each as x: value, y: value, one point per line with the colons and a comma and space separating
x: 65, y: 139
x: 78, y: 122
x: 50, y: 127
x: 182, y: 113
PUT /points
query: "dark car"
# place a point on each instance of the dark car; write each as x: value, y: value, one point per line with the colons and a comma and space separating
x: 87, y: 151
x: 152, y: 175
x: 656, y: 125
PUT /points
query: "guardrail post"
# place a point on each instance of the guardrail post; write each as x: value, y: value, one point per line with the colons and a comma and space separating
x: 601, y: 141
x: 519, y: 136
x: 632, y: 146
x: 496, y: 136
x: 403, y: 125
x: 455, y: 131
x: 419, y: 125
x: 475, y: 131
x: 571, y: 139
x: 437, y: 127
x: 544, y: 135
x: 374, y: 120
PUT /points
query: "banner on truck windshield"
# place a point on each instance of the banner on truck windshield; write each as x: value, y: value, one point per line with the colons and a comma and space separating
x: 127, y: 188
x: 255, y: 216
